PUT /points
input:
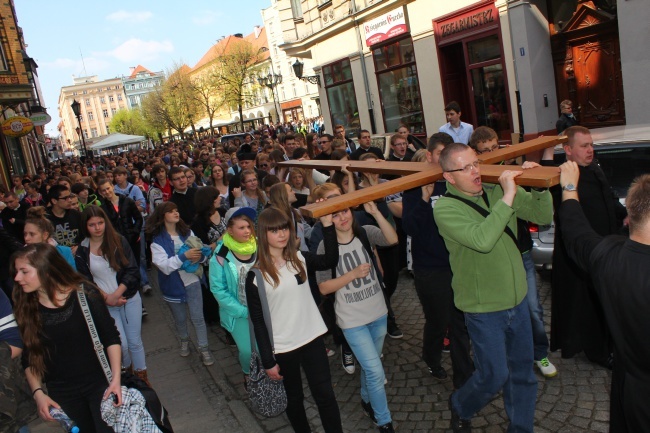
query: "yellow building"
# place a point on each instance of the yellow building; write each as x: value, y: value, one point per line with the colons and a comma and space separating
x: 23, y: 144
x: 99, y: 101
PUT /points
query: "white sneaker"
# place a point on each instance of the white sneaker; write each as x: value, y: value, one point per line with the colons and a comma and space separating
x: 546, y: 367
x: 330, y: 352
x: 146, y: 289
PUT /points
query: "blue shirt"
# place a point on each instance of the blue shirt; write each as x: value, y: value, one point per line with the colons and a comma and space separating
x: 460, y: 134
x: 133, y: 192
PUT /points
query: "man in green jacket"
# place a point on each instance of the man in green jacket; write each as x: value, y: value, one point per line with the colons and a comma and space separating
x: 479, y: 225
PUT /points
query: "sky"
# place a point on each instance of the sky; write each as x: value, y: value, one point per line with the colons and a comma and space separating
x: 112, y: 36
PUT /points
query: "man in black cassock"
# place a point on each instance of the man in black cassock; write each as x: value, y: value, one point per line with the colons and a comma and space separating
x: 577, y: 321
x: 620, y: 271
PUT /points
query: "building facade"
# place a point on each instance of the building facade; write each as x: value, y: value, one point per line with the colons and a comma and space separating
x: 140, y: 82
x: 508, y: 63
x: 99, y: 100
x: 22, y: 140
x: 299, y: 100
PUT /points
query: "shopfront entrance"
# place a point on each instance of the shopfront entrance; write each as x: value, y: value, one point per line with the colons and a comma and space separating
x: 292, y: 111
x: 472, y: 66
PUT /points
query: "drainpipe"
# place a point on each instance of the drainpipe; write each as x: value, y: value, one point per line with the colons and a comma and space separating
x: 520, y: 111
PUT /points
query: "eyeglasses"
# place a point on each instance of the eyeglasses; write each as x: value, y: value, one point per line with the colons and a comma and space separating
x: 400, y: 144
x: 264, y: 165
x: 324, y: 141
x: 467, y: 169
x: 67, y: 197
x: 179, y: 178
x: 481, y: 152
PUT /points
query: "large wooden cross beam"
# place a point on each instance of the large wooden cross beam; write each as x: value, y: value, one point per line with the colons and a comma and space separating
x: 416, y: 174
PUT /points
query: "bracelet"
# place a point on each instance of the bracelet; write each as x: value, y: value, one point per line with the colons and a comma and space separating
x: 36, y: 390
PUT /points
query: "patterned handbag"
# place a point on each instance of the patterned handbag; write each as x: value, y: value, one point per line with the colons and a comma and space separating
x: 268, y: 397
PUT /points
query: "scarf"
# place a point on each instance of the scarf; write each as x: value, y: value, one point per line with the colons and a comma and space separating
x: 242, y: 248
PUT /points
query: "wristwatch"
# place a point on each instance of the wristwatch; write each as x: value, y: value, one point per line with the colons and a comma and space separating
x: 570, y: 187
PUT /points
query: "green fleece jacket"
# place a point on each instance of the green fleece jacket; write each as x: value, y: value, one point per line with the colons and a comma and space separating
x: 488, y: 271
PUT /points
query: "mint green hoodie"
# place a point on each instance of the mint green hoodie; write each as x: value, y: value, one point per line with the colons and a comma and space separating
x: 488, y: 270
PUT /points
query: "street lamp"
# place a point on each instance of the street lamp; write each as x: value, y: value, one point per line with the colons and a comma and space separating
x: 298, y: 68
x: 76, y: 109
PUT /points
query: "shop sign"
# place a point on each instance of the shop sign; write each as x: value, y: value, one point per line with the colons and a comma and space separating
x: 40, y: 119
x: 465, y: 22
x: 9, y: 80
x: 385, y: 27
x: 17, y: 126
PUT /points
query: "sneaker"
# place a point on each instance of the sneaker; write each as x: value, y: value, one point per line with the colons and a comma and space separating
x: 330, y: 352
x: 367, y: 411
x: 185, y: 348
x: 146, y: 289
x: 446, y: 345
x: 144, y: 312
x: 387, y: 428
x: 394, y: 331
x: 546, y: 367
x: 206, y: 356
x: 347, y: 359
x: 438, y: 373
x: 457, y: 424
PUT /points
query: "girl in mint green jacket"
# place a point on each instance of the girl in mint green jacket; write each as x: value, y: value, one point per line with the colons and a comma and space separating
x: 233, y: 257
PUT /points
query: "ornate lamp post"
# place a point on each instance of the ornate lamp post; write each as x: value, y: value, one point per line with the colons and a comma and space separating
x: 298, y: 67
x: 76, y: 109
x: 271, y: 81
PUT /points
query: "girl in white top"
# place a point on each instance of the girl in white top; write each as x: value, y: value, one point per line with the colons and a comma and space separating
x: 297, y: 325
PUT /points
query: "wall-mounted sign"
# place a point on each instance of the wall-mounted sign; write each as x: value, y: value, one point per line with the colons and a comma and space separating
x: 17, y: 126
x: 386, y: 26
x: 466, y: 21
x: 40, y: 119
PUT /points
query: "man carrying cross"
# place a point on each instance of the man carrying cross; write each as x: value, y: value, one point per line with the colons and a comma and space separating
x: 478, y: 224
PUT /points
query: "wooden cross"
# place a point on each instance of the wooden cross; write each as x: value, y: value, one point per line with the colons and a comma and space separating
x: 416, y: 174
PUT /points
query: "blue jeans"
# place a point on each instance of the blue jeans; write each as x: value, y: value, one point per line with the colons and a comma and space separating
x: 195, y: 304
x: 367, y: 342
x: 540, y: 340
x: 128, y: 320
x: 503, y: 358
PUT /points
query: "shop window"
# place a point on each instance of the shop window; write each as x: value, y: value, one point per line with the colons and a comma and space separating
x: 484, y: 50
x: 341, y: 95
x: 399, y: 86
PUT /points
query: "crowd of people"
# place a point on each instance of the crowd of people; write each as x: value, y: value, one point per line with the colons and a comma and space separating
x: 204, y: 215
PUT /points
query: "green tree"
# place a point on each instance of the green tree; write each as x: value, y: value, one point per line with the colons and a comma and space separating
x: 173, y: 105
x: 130, y: 122
x: 235, y: 72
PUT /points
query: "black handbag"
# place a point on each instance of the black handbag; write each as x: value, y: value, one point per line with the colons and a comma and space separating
x: 153, y: 405
x: 268, y: 397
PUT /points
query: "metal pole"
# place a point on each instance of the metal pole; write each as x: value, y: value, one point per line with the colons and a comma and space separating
x: 83, y: 140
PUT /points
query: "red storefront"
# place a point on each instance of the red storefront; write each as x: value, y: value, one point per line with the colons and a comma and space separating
x: 472, y: 66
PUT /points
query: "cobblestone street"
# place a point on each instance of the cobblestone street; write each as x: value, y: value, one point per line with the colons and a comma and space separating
x: 213, y: 398
x: 577, y: 400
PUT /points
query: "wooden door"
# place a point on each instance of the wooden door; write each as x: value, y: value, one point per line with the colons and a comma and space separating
x: 587, y: 61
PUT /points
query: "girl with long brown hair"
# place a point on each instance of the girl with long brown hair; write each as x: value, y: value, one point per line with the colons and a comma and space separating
x: 59, y: 350
x: 219, y: 180
x: 283, y: 197
x: 169, y: 234
x: 296, y: 322
x: 250, y: 195
x: 106, y: 259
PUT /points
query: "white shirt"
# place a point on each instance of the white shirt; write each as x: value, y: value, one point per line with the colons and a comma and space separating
x: 103, y: 275
x: 295, y: 318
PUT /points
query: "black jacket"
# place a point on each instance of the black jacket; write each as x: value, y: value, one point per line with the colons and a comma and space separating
x: 128, y: 221
x: 128, y: 275
x: 185, y: 203
x: 564, y: 122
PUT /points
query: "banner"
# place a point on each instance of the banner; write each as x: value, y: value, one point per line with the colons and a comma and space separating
x: 385, y: 27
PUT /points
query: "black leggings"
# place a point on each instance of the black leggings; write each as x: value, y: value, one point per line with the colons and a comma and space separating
x: 313, y: 360
x: 81, y: 402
